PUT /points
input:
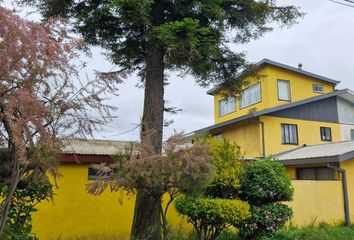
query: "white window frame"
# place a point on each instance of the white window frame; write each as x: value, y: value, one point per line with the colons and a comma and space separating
x: 230, y: 105
x: 289, y: 90
x: 252, y: 102
x: 314, y: 86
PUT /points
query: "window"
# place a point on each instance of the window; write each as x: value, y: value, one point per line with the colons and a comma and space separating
x: 227, y: 105
x: 317, y: 88
x: 284, y: 90
x: 289, y: 134
x: 218, y: 137
x: 352, y: 134
x: 250, y: 96
x: 316, y: 173
x: 92, y: 173
x: 326, y: 134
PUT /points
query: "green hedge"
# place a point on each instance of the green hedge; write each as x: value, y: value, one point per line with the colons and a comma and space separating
x: 211, y: 216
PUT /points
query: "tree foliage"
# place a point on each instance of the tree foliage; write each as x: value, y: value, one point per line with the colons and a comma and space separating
x: 180, y: 169
x: 192, y: 34
x: 42, y: 98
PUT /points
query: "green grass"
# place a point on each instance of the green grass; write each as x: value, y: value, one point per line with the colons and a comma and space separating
x: 323, y: 232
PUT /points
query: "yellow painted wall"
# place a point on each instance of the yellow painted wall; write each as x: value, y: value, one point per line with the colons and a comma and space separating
x: 246, y: 135
x: 317, y: 201
x: 75, y: 213
x: 308, y: 133
x: 300, y: 88
x: 349, y: 168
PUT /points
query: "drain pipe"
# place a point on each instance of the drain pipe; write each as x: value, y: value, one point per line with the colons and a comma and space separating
x: 263, y: 141
x: 345, y: 192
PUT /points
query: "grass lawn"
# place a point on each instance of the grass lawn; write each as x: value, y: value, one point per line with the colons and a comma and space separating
x: 324, y: 232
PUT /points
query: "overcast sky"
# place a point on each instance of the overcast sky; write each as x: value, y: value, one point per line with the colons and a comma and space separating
x: 323, y: 41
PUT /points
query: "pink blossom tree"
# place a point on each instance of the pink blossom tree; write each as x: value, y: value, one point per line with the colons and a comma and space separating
x: 42, y: 98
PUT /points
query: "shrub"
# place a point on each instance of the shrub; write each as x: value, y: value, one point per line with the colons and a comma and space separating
x: 264, y: 184
x: 19, y: 226
x: 266, y: 218
x: 265, y: 181
x: 227, y: 164
x: 211, y: 216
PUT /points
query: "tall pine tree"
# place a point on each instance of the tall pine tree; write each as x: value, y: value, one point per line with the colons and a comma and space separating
x: 151, y: 36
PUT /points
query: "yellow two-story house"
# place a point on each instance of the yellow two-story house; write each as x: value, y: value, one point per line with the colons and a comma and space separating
x: 299, y: 118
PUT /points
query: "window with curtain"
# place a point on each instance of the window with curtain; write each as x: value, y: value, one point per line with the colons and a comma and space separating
x: 326, y: 134
x: 317, y: 88
x: 289, y: 134
x: 316, y: 173
x: 284, y: 90
x: 250, y: 96
x: 227, y: 105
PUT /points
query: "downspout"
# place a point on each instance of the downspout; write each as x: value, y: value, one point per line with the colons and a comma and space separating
x: 345, y: 192
x: 263, y: 141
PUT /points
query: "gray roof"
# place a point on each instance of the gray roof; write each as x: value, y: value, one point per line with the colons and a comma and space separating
x: 93, y: 147
x: 322, y: 153
x: 265, y: 61
x: 346, y: 94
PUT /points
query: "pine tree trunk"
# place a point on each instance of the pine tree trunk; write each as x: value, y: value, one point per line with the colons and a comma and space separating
x: 147, y: 220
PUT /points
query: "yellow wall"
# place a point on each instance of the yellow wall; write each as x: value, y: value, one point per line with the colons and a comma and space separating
x: 308, y: 133
x: 349, y: 168
x: 246, y: 135
x: 317, y: 201
x: 300, y: 88
x: 75, y: 213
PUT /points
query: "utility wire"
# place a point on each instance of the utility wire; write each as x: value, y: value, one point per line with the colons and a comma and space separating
x: 346, y: 3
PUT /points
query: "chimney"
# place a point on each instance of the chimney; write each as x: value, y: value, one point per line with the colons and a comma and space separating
x: 299, y: 66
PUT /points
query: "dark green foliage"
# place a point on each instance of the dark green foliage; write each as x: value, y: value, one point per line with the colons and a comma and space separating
x: 210, y: 216
x: 264, y: 185
x: 264, y: 182
x: 191, y: 33
x: 23, y: 204
x: 266, y: 218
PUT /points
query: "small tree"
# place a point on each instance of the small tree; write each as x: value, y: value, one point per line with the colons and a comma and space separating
x: 265, y: 185
x: 41, y: 99
x: 179, y: 169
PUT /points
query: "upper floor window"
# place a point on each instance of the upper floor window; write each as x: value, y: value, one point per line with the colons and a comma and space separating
x: 227, y: 105
x: 284, y: 90
x: 317, y: 88
x: 326, y: 134
x: 250, y: 96
x: 289, y: 134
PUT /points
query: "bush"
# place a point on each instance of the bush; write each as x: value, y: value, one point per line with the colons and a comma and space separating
x: 211, y: 216
x: 266, y: 218
x: 227, y: 164
x: 19, y: 226
x: 265, y: 181
x: 264, y: 184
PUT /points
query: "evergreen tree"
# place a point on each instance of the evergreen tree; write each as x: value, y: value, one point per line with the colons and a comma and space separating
x: 151, y: 36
